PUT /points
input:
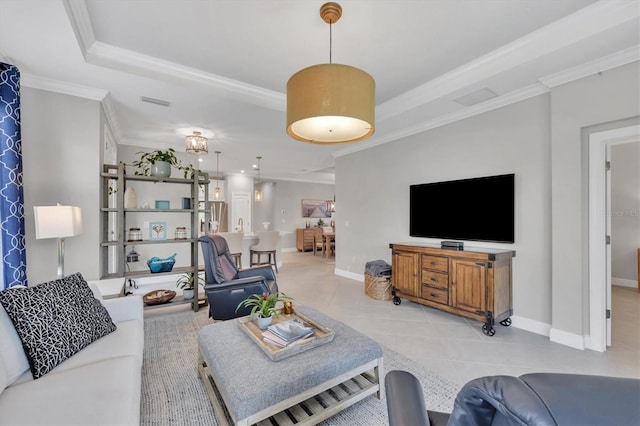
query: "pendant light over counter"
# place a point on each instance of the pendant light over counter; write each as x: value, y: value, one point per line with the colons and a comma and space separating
x: 330, y: 103
x: 216, y: 192
x: 258, y: 194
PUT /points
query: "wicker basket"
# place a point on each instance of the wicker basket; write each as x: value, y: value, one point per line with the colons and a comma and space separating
x: 378, y: 287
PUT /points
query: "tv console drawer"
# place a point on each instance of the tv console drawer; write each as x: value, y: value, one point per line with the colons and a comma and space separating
x: 435, y: 263
x: 435, y: 279
x: 435, y: 294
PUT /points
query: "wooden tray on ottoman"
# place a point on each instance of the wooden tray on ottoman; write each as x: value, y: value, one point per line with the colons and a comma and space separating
x: 320, y: 336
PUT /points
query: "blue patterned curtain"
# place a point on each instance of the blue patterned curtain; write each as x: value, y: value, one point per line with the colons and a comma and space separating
x: 14, y: 259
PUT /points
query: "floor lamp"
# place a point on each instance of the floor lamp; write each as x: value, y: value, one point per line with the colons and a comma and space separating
x: 58, y: 222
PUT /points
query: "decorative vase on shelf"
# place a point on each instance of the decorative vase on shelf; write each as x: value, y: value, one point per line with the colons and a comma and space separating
x: 130, y: 198
x: 263, y: 323
x: 161, y: 169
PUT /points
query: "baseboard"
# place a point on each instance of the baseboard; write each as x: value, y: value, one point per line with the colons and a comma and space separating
x: 533, y: 326
x: 350, y: 275
x: 568, y: 339
x: 623, y: 282
x: 530, y: 325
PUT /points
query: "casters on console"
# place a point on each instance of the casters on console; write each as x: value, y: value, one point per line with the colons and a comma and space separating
x: 488, y: 330
x: 396, y: 300
x: 506, y: 322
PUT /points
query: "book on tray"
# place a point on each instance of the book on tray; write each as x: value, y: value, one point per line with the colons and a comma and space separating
x: 286, y: 333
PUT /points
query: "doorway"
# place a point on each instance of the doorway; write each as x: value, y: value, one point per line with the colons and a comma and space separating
x: 600, y: 144
x: 241, y: 212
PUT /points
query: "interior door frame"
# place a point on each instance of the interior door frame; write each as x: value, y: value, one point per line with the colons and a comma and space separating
x: 599, y: 142
x: 238, y: 199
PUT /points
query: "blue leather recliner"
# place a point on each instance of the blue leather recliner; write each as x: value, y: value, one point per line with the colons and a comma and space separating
x: 226, y: 285
x: 531, y: 399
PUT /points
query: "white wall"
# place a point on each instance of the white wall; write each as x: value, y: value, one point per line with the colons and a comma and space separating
x: 625, y: 212
x: 372, y: 188
x: 61, y: 163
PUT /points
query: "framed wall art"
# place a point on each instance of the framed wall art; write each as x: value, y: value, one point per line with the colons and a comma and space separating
x: 315, y: 208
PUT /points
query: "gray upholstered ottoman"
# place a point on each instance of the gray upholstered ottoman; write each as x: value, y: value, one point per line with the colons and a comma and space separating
x: 247, y: 387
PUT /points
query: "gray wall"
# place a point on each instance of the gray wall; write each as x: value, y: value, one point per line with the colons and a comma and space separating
x: 537, y: 139
x: 287, y: 208
x: 625, y: 212
x: 373, y: 191
x: 600, y: 98
x: 61, y: 161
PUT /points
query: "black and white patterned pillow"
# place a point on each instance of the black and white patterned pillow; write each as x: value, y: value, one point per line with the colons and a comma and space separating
x: 55, y: 320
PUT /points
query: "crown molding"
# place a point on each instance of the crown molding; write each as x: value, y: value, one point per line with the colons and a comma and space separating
x: 80, y: 24
x: 148, y: 66
x: 37, y: 82
x: 571, y: 29
x: 111, y: 117
x: 623, y: 57
x: 102, y: 54
x: 490, y: 105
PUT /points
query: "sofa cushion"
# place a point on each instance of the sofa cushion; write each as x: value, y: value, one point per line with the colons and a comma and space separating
x: 55, y: 320
x: 102, y: 393
x: 13, y: 361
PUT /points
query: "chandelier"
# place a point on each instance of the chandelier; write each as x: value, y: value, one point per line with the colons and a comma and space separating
x: 197, y: 144
x: 330, y: 103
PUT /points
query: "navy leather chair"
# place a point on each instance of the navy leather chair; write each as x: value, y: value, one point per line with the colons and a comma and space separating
x: 531, y: 399
x: 226, y: 285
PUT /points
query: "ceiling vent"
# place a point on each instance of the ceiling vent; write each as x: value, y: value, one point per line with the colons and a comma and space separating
x: 155, y: 101
x: 476, y: 97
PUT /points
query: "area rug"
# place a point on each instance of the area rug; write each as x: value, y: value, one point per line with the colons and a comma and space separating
x: 172, y: 393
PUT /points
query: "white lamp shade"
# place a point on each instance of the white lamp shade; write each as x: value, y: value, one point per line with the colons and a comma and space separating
x: 57, y: 221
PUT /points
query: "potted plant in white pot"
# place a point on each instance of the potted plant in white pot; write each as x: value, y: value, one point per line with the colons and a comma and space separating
x: 157, y: 163
x: 187, y: 282
x: 265, y: 306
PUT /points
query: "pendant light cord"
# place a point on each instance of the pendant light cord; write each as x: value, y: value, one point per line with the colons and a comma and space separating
x: 330, y: 39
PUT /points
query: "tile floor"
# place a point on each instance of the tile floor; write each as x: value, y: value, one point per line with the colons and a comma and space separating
x: 453, y: 346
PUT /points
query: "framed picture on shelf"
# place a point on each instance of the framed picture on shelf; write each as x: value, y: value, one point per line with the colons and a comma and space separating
x: 157, y: 230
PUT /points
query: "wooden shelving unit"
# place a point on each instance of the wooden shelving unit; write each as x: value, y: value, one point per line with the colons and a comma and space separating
x: 116, y: 174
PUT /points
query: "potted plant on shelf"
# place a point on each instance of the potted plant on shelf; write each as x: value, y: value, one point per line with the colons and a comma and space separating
x: 156, y: 163
x: 187, y: 282
x: 265, y: 306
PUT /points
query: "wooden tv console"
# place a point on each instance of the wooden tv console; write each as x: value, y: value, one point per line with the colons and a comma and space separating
x: 474, y: 282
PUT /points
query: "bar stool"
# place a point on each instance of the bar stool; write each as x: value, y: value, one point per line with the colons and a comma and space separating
x: 234, y: 242
x: 267, y: 244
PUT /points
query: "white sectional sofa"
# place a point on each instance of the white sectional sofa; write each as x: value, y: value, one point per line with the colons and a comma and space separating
x: 100, y: 384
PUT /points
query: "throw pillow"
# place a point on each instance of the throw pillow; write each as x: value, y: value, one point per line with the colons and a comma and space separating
x: 54, y: 320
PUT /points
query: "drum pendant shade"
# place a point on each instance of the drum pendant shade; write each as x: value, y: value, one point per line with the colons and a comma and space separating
x: 330, y: 103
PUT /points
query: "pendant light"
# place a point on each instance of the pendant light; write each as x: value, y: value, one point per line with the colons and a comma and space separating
x: 216, y: 192
x: 197, y: 144
x: 258, y: 195
x: 330, y: 103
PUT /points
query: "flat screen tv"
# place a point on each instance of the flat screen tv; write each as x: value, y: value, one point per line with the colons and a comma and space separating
x: 478, y: 209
